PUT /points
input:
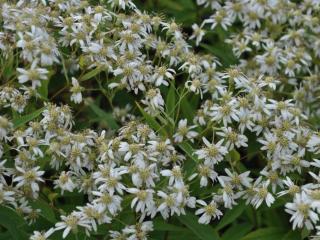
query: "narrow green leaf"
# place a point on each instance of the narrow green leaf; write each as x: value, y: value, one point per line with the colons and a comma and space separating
x: 292, y: 235
x: 187, y: 109
x: 186, y: 235
x: 151, y: 121
x: 266, y: 234
x: 160, y: 225
x: 235, y: 155
x: 188, y: 149
x: 305, y: 233
x: 43, y: 89
x: 46, y: 211
x: 19, y: 121
x: 171, y: 101
x: 13, y: 223
x: 173, y: 5
x: 8, y: 68
x: 104, y: 116
x: 91, y: 74
x: 231, y: 215
x: 221, y: 50
x: 189, y: 166
x: 203, y: 232
x: 237, y: 231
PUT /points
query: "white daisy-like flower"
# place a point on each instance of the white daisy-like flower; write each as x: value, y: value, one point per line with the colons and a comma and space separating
x: 76, y: 90
x: 143, y: 200
x: 29, y: 177
x: 71, y: 223
x: 302, y: 214
x: 197, y: 34
x: 64, y: 182
x: 212, y: 153
x: 184, y: 131
x: 35, y: 74
x: 208, y: 212
x: 175, y: 175
x: 41, y: 235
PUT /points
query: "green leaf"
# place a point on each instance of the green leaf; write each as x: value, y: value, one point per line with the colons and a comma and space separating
x: 90, y: 74
x: 46, y: 210
x: 186, y: 235
x: 222, y: 51
x: 151, y: 121
x: 203, y: 232
x: 171, y: 101
x: 235, y: 155
x: 160, y: 225
x: 13, y: 222
x: 305, y: 233
x: 189, y: 166
x: 237, y: 231
x: 230, y: 216
x: 292, y: 235
x: 266, y: 234
x: 173, y: 5
x: 104, y: 116
x: 187, y: 109
x: 19, y: 121
x: 43, y: 89
x: 8, y: 68
x: 188, y: 149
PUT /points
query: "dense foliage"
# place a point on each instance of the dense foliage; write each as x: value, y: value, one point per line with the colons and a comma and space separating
x: 185, y: 119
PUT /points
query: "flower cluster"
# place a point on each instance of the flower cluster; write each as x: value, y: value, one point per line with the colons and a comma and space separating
x: 61, y: 57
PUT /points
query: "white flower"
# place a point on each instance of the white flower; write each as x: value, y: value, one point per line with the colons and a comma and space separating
x: 168, y: 205
x: 139, y: 231
x: 314, y: 143
x: 228, y: 193
x: 5, y: 126
x: 160, y: 74
x: 130, y: 150
x: 211, y: 153
x: 226, y: 112
x: 143, y: 200
x: 195, y: 86
x: 71, y: 223
x: 129, y: 41
x: 29, y: 178
x: 65, y: 182
x: 292, y: 188
x: 237, y: 179
x: 34, y: 74
x: 302, y: 214
x: 233, y: 138
x: 122, y: 3
x: 108, y: 201
x: 153, y: 100
x: 208, y: 211
x: 6, y: 196
x: 111, y: 182
x: 76, y: 90
x: 197, y: 34
x: 41, y: 235
x: 144, y: 173
x: 205, y: 172
x: 219, y: 18
x: 175, y: 175
x: 184, y: 131
x: 262, y: 194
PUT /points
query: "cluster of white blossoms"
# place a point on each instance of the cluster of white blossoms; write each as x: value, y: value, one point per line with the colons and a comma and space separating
x: 153, y: 162
x: 276, y: 38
